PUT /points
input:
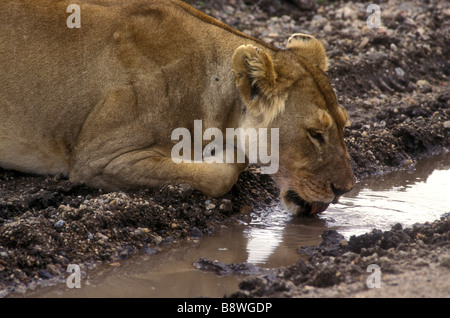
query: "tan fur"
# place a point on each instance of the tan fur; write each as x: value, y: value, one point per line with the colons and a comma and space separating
x: 99, y: 103
x: 309, y: 47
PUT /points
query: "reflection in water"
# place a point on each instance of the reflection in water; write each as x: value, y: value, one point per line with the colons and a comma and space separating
x: 265, y: 233
x: 406, y: 198
x: 274, y: 236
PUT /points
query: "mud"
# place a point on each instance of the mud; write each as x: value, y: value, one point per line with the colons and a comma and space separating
x: 393, y: 81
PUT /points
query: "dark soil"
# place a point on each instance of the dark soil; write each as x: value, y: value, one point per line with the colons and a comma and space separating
x: 393, y: 81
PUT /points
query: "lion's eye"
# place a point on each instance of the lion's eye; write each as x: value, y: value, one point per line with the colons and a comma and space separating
x: 317, y: 135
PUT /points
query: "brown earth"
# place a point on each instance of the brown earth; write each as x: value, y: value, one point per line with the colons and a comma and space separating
x: 393, y: 81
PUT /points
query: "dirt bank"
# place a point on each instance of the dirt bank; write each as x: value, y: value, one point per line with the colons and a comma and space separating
x: 393, y: 81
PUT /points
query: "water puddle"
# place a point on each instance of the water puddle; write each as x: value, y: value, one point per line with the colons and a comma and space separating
x: 401, y: 197
x: 272, y: 238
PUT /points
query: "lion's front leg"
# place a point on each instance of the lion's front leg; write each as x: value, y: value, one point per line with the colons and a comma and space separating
x: 147, y: 168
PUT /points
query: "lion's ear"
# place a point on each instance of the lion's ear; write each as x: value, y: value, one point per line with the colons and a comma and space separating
x: 256, y: 81
x: 309, y: 47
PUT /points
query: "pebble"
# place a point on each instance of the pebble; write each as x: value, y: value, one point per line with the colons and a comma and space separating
x: 346, y: 13
x: 157, y: 239
x: 149, y: 250
x: 447, y: 124
x: 196, y: 233
x: 125, y: 253
x: 420, y: 262
x: 245, y: 209
x: 363, y: 43
x: 399, y: 71
x: 59, y: 224
x: 424, y: 86
x: 44, y: 274
x: 444, y: 260
x: 226, y: 206
x: 101, y: 237
x: 380, y: 124
x: 406, y: 162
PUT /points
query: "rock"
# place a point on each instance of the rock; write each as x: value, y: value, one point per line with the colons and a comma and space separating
x: 363, y: 43
x: 125, y: 252
x: 447, y: 124
x: 226, y: 206
x: 326, y: 277
x: 399, y: 71
x: 186, y: 190
x: 420, y: 262
x: 424, y: 86
x: 59, y: 224
x: 53, y: 269
x: 157, y: 240
x: 444, y: 260
x: 220, y: 268
x: 149, y: 251
x: 44, y: 274
x: 406, y: 162
x: 346, y: 13
x: 245, y: 209
x: 102, y: 238
x: 196, y: 233
x: 380, y: 124
x: 356, y: 243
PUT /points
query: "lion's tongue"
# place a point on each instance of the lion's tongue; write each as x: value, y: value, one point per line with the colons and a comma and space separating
x: 317, y: 207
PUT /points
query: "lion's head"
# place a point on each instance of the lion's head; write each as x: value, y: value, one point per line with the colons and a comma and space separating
x: 288, y: 89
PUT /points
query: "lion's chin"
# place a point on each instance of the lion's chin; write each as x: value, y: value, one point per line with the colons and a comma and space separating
x: 299, y: 206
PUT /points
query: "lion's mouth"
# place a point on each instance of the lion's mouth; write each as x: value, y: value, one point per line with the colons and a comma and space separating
x: 303, y: 207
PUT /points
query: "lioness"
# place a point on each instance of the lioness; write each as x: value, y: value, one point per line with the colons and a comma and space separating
x: 94, y: 91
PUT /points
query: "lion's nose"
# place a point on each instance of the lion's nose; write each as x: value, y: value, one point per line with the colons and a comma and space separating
x: 339, y: 191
